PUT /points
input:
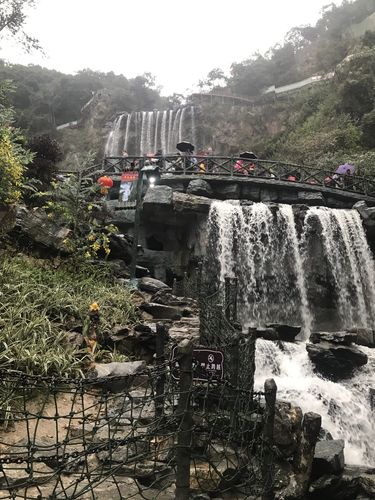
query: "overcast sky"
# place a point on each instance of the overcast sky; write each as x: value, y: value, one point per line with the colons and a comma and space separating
x: 178, y: 41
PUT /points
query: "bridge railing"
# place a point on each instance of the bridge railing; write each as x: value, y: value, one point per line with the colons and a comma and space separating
x: 221, y: 166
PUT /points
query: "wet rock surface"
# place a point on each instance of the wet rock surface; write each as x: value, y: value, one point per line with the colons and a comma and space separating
x: 335, y: 361
x: 328, y: 457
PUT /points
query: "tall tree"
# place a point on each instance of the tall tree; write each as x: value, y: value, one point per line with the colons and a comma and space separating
x: 12, y: 21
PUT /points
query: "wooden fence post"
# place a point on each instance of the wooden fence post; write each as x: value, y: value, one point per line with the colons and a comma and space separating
x: 270, y: 390
x: 161, y: 334
x: 184, y: 436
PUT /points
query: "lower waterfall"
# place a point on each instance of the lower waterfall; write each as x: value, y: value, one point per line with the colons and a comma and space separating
x: 313, y: 267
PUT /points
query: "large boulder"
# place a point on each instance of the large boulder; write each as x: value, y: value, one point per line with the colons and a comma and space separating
x: 328, y: 457
x: 335, y: 361
x: 34, y: 225
x: 184, y: 202
x: 199, y: 187
x: 117, y: 376
x: 158, y: 196
x: 287, y: 333
x: 160, y: 311
x: 151, y: 285
x: 367, y: 213
x: 354, y: 483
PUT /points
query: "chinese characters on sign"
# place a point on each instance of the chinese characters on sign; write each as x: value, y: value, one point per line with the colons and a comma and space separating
x: 208, y: 364
x: 128, y: 180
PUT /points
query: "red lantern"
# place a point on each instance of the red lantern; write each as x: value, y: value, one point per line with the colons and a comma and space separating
x: 105, y: 181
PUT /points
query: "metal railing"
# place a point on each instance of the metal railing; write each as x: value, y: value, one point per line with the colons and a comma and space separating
x: 270, y: 171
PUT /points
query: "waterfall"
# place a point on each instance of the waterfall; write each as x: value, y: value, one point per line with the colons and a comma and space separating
x: 128, y: 122
x: 182, y: 116
x: 272, y: 260
x: 112, y: 145
x: 344, y: 406
x: 147, y: 131
x: 350, y: 263
x: 155, y: 148
x: 143, y: 133
x: 260, y: 247
x: 193, y: 126
x: 164, y: 132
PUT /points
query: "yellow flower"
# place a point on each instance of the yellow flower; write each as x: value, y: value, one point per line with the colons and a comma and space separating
x: 91, y: 237
x: 107, y: 251
x: 94, y: 307
x: 89, y: 207
x: 50, y: 216
x: 95, y: 246
x: 87, y: 255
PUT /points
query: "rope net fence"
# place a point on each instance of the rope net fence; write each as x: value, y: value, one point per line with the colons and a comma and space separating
x: 129, y: 437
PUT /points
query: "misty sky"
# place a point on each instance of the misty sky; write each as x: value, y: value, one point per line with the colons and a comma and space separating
x: 177, y: 41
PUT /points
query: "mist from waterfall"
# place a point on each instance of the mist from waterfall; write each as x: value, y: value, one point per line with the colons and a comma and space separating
x: 272, y: 255
x: 144, y: 132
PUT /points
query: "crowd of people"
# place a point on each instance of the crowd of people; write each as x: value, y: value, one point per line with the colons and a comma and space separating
x: 204, y: 162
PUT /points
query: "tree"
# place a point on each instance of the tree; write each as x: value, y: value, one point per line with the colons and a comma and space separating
x: 12, y: 20
x: 13, y: 156
x: 47, y: 154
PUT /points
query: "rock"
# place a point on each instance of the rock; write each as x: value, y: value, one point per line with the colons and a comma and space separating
x: 121, y: 248
x: 141, y: 272
x: 354, y: 483
x: 158, y: 196
x: 340, y: 338
x: 8, y: 217
x: 151, y: 285
x: 199, y: 187
x: 160, y: 311
x: 269, y: 195
x: 311, y: 198
x: 367, y: 213
x: 287, y: 428
x: 186, y: 328
x: 129, y: 370
x: 228, y: 191
x: 328, y: 457
x: 37, y: 227
x: 365, y: 336
x: 265, y: 333
x: 287, y: 333
x: 335, y: 361
x: 119, y: 268
x: 190, y: 203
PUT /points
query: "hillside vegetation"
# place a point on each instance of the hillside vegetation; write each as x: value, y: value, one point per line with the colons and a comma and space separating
x: 326, y: 123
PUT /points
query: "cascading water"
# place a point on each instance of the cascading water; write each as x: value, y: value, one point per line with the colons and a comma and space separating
x: 112, y: 144
x: 147, y: 131
x: 261, y: 246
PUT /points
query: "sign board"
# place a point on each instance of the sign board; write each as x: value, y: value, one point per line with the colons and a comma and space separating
x: 128, y: 180
x: 208, y: 364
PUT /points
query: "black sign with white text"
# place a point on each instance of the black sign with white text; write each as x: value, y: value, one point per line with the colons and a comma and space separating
x: 208, y: 364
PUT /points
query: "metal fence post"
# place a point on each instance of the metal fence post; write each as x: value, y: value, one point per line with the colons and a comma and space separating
x: 270, y: 390
x: 184, y: 435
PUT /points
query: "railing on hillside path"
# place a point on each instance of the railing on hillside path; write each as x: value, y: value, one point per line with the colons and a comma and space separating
x: 224, y: 166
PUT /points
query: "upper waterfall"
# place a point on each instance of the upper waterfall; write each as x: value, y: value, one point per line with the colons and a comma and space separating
x: 144, y: 132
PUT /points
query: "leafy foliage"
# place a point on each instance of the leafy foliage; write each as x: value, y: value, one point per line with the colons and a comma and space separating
x: 76, y: 203
x: 47, y: 152
x: 40, y: 305
x: 13, y: 156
